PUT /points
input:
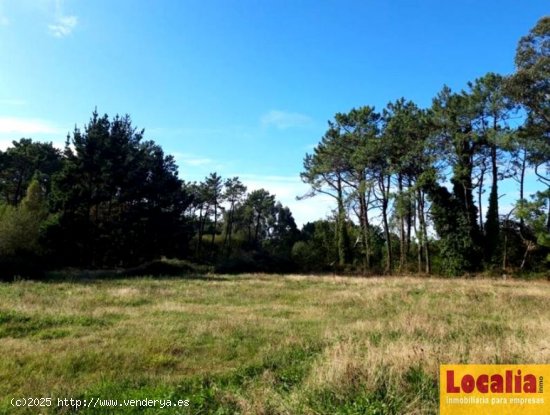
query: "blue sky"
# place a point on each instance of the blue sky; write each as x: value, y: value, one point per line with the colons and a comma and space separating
x: 241, y: 87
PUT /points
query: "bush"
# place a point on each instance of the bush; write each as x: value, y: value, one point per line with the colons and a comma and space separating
x: 21, y: 229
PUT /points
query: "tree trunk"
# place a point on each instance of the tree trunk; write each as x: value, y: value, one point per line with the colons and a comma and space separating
x: 364, y: 221
x: 257, y: 230
x: 492, y: 223
x: 480, y: 194
x: 419, y: 238
x: 494, y: 167
x: 505, y: 253
x: 228, y: 228
x: 401, y: 224
x: 424, y: 231
x: 410, y: 214
x: 341, y: 226
x: 215, y: 226
x: 527, y: 249
x: 202, y: 224
x: 385, y: 193
x: 522, y: 184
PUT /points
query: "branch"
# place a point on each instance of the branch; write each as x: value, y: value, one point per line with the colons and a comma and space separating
x: 544, y: 179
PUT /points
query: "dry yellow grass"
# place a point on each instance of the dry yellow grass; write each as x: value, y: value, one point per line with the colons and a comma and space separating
x: 257, y: 344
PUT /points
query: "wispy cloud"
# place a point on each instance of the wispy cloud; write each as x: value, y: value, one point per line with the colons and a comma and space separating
x: 51, y: 12
x: 63, y: 26
x: 198, y: 161
x: 283, y: 119
x: 192, y: 160
x: 15, y: 125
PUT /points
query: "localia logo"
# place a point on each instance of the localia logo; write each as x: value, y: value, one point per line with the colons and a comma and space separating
x: 494, y: 389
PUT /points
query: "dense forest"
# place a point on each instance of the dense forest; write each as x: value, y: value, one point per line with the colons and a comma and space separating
x: 409, y: 185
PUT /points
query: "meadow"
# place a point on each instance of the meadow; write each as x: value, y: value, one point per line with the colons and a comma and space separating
x: 260, y: 344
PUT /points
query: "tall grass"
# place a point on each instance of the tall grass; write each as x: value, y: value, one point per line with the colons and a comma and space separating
x: 258, y: 344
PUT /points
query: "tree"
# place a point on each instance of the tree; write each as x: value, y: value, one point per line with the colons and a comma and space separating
x: 283, y: 232
x: 455, y: 215
x: 234, y: 194
x: 530, y: 85
x: 23, y: 161
x: 20, y: 226
x: 21, y: 232
x: 199, y: 203
x: 492, y: 109
x: 258, y: 210
x: 213, y: 187
x: 359, y: 131
x: 324, y: 171
x: 406, y: 132
x: 121, y: 199
x: 535, y: 216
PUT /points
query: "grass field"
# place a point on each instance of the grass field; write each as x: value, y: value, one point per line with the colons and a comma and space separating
x: 256, y: 344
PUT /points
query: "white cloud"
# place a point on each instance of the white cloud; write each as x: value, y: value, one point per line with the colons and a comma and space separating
x: 14, y: 125
x: 60, y: 24
x: 198, y: 161
x: 191, y: 159
x: 63, y: 26
x: 5, y: 143
x: 283, y: 120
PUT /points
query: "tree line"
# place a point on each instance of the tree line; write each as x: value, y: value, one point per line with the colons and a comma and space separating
x: 112, y: 199
x: 415, y: 177
x: 408, y: 185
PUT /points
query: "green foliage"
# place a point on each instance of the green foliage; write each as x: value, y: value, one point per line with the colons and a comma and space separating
x: 325, y: 172
x: 233, y: 194
x: 121, y: 198
x: 248, y: 232
x: 22, y: 228
x: 318, y: 251
x: 536, y: 215
x: 529, y: 85
x: 492, y: 109
x: 455, y: 215
x: 457, y: 250
x: 116, y: 200
x: 24, y: 161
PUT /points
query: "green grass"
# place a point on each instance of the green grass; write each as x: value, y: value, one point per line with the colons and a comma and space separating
x: 258, y: 344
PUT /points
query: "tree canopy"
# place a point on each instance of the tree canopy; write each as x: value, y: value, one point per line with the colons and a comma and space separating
x: 414, y: 190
